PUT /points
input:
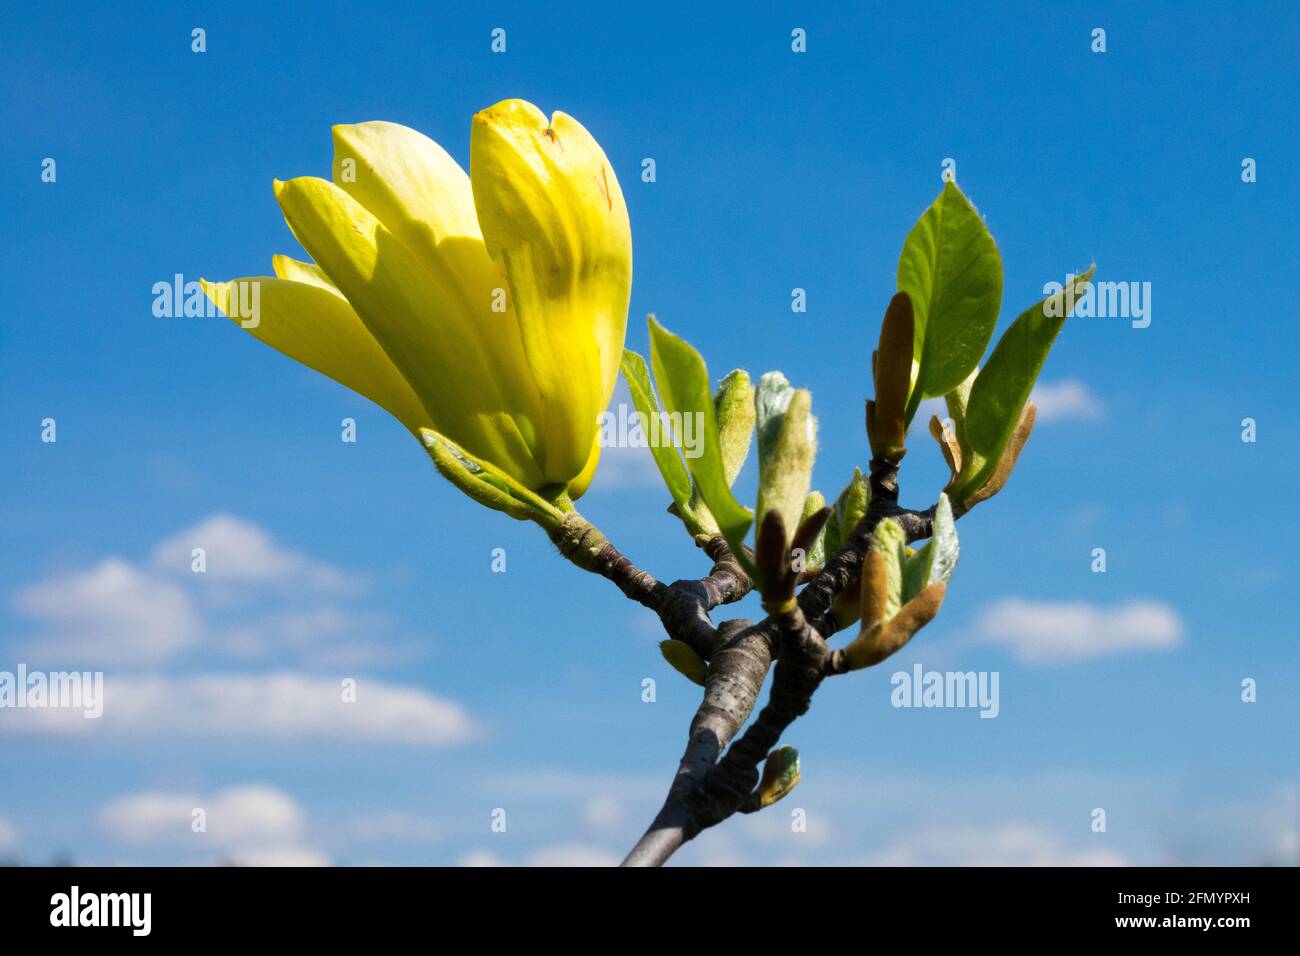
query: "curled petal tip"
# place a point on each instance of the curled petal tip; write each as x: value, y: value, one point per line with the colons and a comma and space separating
x: 512, y: 113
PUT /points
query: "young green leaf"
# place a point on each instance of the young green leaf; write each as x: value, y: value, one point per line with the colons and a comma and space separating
x: 787, y: 445
x: 685, y: 660
x: 780, y: 774
x: 734, y: 403
x: 847, y: 511
x: 943, y: 544
x: 956, y: 401
x: 486, y: 484
x: 816, y: 556
x: 1007, y: 463
x: 951, y: 269
x: 771, y: 399
x: 998, y: 396
x: 890, y: 541
x: 916, y: 568
x: 666, y: 456
x: 684, y: 385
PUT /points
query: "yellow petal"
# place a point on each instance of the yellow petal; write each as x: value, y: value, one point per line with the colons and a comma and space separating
x: 405, y: 179
x: 416, y: 321
x: 422, y: 196
x: 308, y: 272
x: 319, y: 329
x: 552, y: 213
x: 579, y: 485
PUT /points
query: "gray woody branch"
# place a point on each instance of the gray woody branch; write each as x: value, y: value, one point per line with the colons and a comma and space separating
x: 710, y: 786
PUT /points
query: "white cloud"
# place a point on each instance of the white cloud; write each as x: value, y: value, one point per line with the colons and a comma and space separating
x: 774, y: 830
x: 1044, y: 632
x: 249, y: 825
x: 623, y: 467
x: 602, y: 813
x: 1015, y: 844
x: 253, y: 813
x: 321, y: 637
x: 110, y: 613
x: 8, y: 836
x: 278, y: 706
x: 278, y: 857
x: 242, y: 554
x: 569, y: 854
x: 132, y: 614
x: 572, y: 855
x: 1065, y: 400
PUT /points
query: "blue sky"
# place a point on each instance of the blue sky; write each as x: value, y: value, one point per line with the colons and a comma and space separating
x: 522, y: 690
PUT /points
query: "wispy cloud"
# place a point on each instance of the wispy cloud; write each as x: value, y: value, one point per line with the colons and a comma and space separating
x: 252, y: 599
x: 279, y: 706
x: 1011, y: 844
x: 8, y: 836
x: 111, y: 612
x: 1045, y: 632
x: 622, y: 468
x: 239, y: 554
x: 569, y: 854
x: 249, y: 825
x: 1067, y: 400
x: 318, y: 636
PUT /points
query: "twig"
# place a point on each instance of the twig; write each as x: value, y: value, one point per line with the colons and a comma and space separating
x: 706, y: 789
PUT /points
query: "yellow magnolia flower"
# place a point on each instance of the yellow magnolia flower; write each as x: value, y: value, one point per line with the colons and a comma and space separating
x: 490, y: 308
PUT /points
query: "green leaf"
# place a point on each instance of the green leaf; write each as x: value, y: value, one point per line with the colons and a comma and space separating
x: 771, y: 399
x: 943, y: 541
x: 933, y: 563
x: 814, y: 503
x: 891, y: 541
x: 734, y: 403
x: 847, y: 511
x: 684, y: 385
x: 486, y: 484
x: 957, y: 400
x: 1000, y: 391
x: 780, y: 774
x: 916, y: 568
x: 684, y: 660
x: 787, y: 445
x: 951, y: 269
x: 666, y: 456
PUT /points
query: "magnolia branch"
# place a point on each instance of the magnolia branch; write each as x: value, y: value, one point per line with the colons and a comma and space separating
x: 714, y: 781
